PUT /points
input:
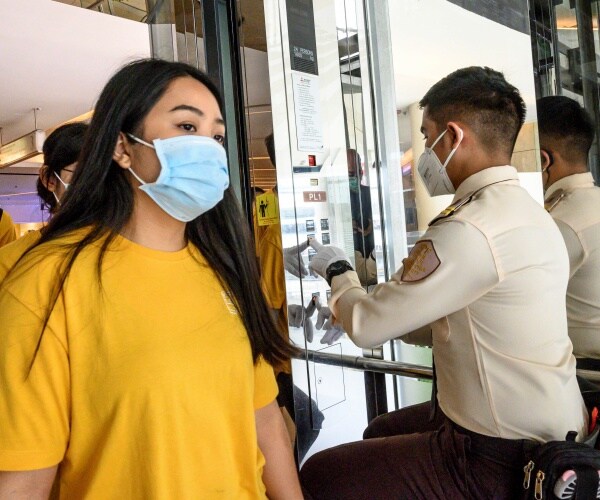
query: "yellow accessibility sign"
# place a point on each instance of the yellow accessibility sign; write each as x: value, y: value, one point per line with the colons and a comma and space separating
x: 267, y: 209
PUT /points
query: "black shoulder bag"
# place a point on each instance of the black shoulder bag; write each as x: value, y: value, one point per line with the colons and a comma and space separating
x: 565, y: 469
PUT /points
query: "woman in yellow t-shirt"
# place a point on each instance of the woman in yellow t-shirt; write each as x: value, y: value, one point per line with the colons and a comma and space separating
x: 61, y: 150
x: 135, y: 344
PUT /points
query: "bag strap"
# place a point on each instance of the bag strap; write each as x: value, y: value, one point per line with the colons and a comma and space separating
x: 587, y: 483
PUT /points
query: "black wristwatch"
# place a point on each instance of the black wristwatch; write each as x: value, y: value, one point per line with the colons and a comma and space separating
x: 337, y: 268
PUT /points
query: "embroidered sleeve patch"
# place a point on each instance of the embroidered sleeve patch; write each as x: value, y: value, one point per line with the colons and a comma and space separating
x: 421, y: 262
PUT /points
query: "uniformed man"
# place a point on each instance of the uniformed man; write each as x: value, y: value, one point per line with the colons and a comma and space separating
x: 573, y: 200
x: 490, y: 274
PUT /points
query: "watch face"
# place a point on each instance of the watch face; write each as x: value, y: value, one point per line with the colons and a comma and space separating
x: 338, y: 266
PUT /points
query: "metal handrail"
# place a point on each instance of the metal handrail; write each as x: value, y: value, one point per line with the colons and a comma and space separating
x: 368, y: 364
x: 393, y: 367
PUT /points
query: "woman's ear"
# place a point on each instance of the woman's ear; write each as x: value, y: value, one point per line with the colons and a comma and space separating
x: 122, y: 153
x: 47, y: 179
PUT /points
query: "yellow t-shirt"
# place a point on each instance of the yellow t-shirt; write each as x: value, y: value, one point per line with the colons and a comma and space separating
x: 9, y: 254
x: 8, y: 232
x: 143, y: 386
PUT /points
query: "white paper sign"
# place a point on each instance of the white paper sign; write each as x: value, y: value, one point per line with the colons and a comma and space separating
x: 309, y: 129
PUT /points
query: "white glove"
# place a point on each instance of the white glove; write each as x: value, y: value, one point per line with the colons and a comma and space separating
x: 295, y: 315
x: 308, y: 331
x: 332, y: 334
x: 325, y: 256
x: 293, y: 262
x: 298, y: 318
x: 324, y: 321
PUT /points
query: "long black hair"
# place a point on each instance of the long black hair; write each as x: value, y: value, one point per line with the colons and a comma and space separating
x: 61, y: 148
x: 101, y: 198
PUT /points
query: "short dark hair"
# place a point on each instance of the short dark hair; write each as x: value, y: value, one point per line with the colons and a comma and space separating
x: 482, y: 97
x: 61, y: 148
x: 270, y: 144
x: 563, y: 123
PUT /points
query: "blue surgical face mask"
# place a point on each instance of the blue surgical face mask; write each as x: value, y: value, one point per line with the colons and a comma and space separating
x: 193, y: 175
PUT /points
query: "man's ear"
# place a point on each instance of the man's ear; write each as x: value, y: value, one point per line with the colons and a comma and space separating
x: 456, y: 133
x: 47, y: 179
x: 122, y: 152
x: 546, y: 158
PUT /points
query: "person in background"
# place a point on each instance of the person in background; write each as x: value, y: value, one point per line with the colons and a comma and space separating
x: 573, y: 199
x: 61, y: 150
x: 8, y: 231
x: 360, y: 204
x: 490, y: 276
x: 140, y: 343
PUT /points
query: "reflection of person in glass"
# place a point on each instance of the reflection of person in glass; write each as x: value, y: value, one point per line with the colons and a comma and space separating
x: 273, y: 259
x: 360, y: 204
x: 566, y: 135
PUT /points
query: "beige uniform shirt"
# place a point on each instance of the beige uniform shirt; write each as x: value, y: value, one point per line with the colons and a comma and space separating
x: 491, y: 278
x: 574, y: 203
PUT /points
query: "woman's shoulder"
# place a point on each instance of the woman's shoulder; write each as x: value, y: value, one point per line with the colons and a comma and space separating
x: 10, y: 254
x: 27, y: 258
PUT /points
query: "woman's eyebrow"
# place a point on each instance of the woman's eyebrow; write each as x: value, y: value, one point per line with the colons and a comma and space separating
x: 193, y: 109
x: 187, y: 107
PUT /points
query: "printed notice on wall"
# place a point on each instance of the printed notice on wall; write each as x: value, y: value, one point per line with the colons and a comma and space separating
x: 307, y: 108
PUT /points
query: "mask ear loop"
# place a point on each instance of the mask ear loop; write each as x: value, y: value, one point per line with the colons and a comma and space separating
x: 454, y: 149
x: 65, y: 184
x: 546, y: 169
x: 137, y: 139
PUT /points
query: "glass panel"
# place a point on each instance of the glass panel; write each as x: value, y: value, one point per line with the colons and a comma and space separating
x: 188, y: 26
x: 566, y: 52
x: 327, y: 182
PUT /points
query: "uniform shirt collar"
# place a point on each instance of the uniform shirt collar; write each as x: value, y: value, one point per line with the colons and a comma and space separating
x: 570, y: 182
x: 484, y: 178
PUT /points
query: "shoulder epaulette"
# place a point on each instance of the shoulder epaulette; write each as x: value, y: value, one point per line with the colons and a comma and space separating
x: 452, y: 209
x: 554, y: 200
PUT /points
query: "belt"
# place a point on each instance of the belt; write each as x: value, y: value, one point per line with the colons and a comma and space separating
x: 508, y: 452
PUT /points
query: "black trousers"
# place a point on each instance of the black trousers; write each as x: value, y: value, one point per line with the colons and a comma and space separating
x: 407, y: 420
x: 448, y: 463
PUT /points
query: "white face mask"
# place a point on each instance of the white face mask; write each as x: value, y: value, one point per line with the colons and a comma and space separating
x: 65, y: 185
x: 432, y: 171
